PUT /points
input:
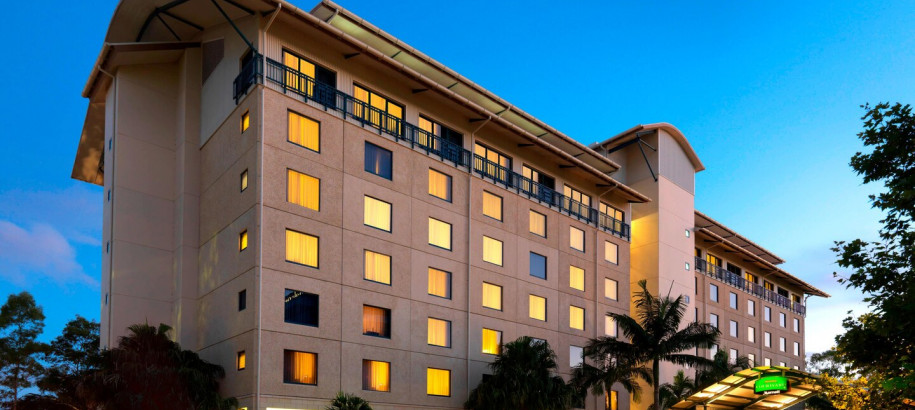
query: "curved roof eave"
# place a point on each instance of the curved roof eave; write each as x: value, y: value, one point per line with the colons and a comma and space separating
x: 678, y: 136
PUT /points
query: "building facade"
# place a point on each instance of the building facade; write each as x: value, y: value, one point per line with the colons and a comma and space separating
x: 317, y: 207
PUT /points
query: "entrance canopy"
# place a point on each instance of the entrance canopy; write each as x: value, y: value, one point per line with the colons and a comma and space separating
x: 764, y: 387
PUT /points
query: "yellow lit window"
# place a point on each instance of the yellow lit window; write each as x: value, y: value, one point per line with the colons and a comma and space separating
x: 243, y: 240
x: 751, y: 277
x: 492, y: 206
x: 612, y: 400
x: 439, y: 185
x: 304, y: 131
x: 611, y: 252
x: 492, y: 341
x: 377, y: 214
x: 293, y: 80
x: 300, y: 367
x: 240, y: 360
x: 245, y: 121
x: 377, y: 267
x: 537, y: 307
x: 303, y: 190
x: 376, y: 376
x: 577, y: 196
x: 610, y: 289
x: 440, y: 283
x: 769, y: 286
x: 713, y: 260
x: 538, y: 223
x: 492, y: 250
x: 576, y: 278
x: 439, y: 234
x: 301, y: 248
x: 576, y: 239
x: 438, y: 382
x: 492, y: 296
x: 576, y: 318
x: 609, y: 326
x: 496, y: 165
x: 388, y: 114
x: 376, y: 321
x: 439, y: 332
x: 244, y: 180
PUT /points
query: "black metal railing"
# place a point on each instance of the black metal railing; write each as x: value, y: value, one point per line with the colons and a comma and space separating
x: 251, y: 73
x: 328, y: 96
x: 742, y: 283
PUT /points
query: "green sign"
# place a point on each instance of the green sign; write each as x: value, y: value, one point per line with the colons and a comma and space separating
x: 771, y: 385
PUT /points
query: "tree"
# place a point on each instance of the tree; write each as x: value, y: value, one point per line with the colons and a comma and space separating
x: 844, y: 390
x: 720, y: 368
x: 523, y: 378
x: 882, y: 342
x: 681, y: 388
x: 21, y: 321
x: 346, y: 401
x: 72, y: 358
x: 607, y: 371
x: 655, y: 336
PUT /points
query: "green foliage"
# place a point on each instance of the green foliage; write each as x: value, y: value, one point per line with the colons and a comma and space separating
x: 720, y: 368
x: 524, y: 379
x: 881, y: 344
x: 844, y: 390
x: 346, y: 401
x: 599, y: 371
x: 681, y: 388
x: 21, y: 321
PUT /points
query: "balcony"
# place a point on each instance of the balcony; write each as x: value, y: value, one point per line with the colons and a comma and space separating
x: 741, y: 283
x: 290, y: 81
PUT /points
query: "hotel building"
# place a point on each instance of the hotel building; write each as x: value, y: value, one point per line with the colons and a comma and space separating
x: 316, y: 206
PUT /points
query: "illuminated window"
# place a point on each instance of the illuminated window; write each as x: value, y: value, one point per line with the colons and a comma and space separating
x: 301, y: 248
x: 576, y: 318
x: 732, y: 300
x: 438, y: 382
x: 751, y: 334
x: 733, y: 328
x: 537, y: 307
x: 713, y: 292
x: 612, y: 400
x: 377, y: 267
x: 612, y: 253
x: 615, y: 217
x: 243, y: 181
x: 494, y: 164
x: 767, y: 361
x: 492, y: 206
x: 611, y: 289
x: 378, y: 110
x: 781, y: 319
x: 576, y: 196
x: 492, y: 341
x: 376, y: 321
x: 576, y: 278
x: 439, y: 185
x: 240, y: 360
x: 307, y: 77
x: 434, y: 129
x: 751, y: 307
x: 576, y: 239
x: 538, y: 265
x: 767, y: 313
x: 304, y: 132
x: 797, y: 325
x: 713, y: 260
x: 797, y: 349
x: 245, y: 121
x: 576, y: 356
x: 767, y: 339
x: 610, y: 326
x: 376, y: 375
x: 439, y: 333
x: 300, y: 367
x: 378, y: 161
x: 301, y: 308
x: 782, y: 364
x: 377, y: 214
x: 713, y: 319
x: 781, y: 344
x: 243, y: 240
x: 242, y: 300
x: 492, y: 296
x: 712, y: 351
x: 751, y: 277
x: 733, y: 355
x: 492, y: 250
x: 540, y: 178
x: 752, y: 359
x: 769, y: 286
x: 537, y: 223
x: 440, y: 283
x: 303, y: 190
x: 439, y: 234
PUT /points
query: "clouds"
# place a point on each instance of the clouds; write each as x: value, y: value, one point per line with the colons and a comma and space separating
x: 30, y: 255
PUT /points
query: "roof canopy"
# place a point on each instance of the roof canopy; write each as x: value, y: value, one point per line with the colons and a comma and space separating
x: 737, y: 391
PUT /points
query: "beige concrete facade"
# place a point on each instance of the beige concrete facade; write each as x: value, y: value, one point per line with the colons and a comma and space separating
x: 163, y: 135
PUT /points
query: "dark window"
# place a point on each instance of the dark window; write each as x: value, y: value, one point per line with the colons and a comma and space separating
x: 378, y: 161
x: 301, y: 308
x: 735, y: 269
x: 242, y: 300
x: 437, y: 129
x: 782, y: 292
x: 376, y: 321
x: 538, y: 265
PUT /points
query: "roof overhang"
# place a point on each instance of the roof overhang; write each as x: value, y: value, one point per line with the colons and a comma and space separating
x: 711, y: 225
x: 634, y: 132
x: 737, y: 391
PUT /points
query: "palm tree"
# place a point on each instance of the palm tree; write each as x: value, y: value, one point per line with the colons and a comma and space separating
x: 523, y: 378
x: 608, y: 371
x: 346, y: 401
x: 672, y: 393
x: 655, y: 336
x: 720, y: 368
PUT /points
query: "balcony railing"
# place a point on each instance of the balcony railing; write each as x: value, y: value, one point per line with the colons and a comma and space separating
x: 306, y: 87
x: 742, y: 283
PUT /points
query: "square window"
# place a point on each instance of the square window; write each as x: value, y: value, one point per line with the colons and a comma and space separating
x: 376, y: 321
x: 243, y: 181
x: 439, y: 333
x: 377, y: 267
x: 439, y: 234
x: 576, y: 356
x: 300, y: 367
x: 303, y: 190
x: 610, y: 328
x: 439, y: 185
x: 732, y: 300
x: 576, y: 239
x: 304, y: 132
x: 240, y: 360
x: 242, y: 300
x: 576, y: 318
x: 377, y: 214
x: 537, y: 307
x: 438, y: 382
x: 376, y: 375
x: 612, y: 253
x: 713, y: 292
x: 538, y: 265
x: 378, y: 161
x: 439, y: 283
x: 243, y: 240
x: 611, y: 289
x: 492, y: 296
x: 245, y: 121
x: 576, y: 278
x: 301, y: 248
x: 492, y: 250
x: 492, y: 205
x: 301, y: 308
x: 537, y: 223
x: 492, y: 341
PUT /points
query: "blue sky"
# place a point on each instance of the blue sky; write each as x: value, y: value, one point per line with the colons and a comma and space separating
x: 767, y: 92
